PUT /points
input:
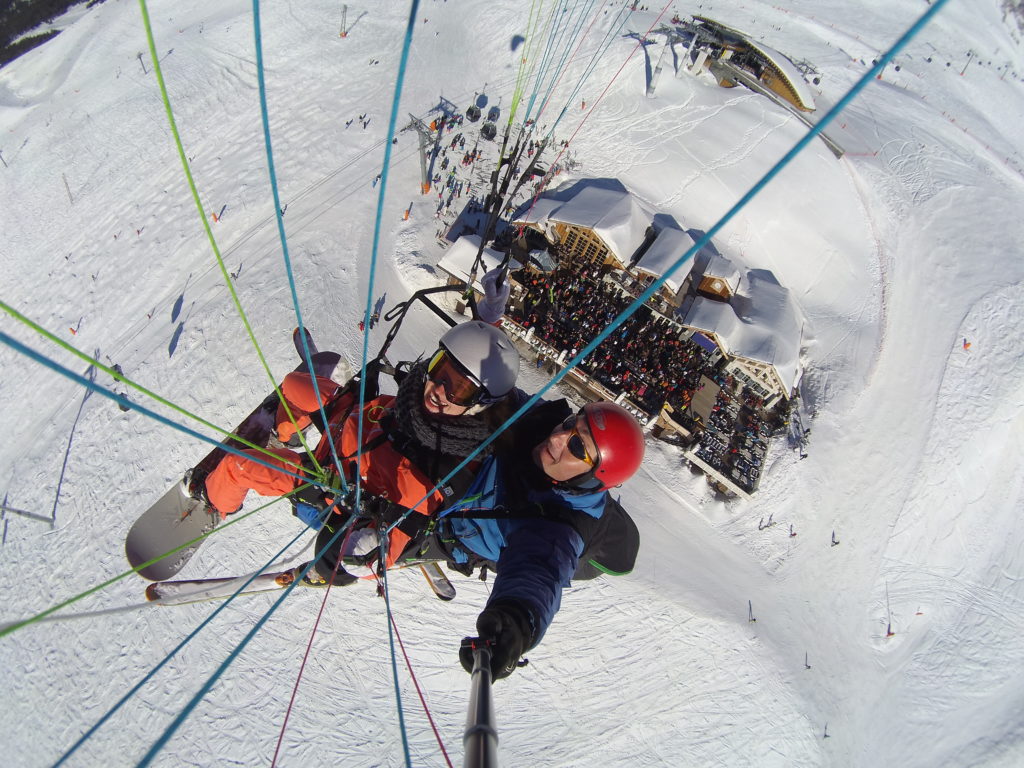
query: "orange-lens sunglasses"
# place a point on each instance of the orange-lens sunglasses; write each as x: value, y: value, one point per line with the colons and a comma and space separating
x: 459, y: 387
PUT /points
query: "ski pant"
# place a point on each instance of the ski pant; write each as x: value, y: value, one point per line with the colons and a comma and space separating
x: 235, y: 476
x: 227, y: 485
x: 299, y: 392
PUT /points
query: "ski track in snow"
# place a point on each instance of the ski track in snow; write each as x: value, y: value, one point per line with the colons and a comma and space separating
x: 896, y: 254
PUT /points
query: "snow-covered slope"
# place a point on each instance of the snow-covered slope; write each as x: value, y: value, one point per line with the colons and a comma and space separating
x: 897, y: 254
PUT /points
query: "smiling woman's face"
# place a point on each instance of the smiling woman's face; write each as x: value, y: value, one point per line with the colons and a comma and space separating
x: 435, y: 400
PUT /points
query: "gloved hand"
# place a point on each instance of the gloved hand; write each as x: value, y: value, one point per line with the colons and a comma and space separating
x: 508, y: 626
x: 492, y: 306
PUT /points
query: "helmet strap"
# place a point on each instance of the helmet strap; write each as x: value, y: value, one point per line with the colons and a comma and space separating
x: 585, y: 483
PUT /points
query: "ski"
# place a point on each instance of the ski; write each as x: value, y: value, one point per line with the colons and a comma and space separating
x: 439, y: 583
x: 185, y: 591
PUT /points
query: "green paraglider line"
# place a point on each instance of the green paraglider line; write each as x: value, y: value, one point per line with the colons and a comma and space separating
x: 206, y: 222
x: 118, y: 376
x: 13, y: 627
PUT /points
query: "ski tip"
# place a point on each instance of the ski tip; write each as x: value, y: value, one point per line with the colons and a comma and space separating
x: 284, y: 578
x: 153, y: 591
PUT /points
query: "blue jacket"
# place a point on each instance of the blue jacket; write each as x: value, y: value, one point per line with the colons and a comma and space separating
x: 534, y: 558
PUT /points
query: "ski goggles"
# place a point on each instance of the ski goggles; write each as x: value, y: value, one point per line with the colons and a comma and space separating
x: 576, y: 445
x: 460, y: 387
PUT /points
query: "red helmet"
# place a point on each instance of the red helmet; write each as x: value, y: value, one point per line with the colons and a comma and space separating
x: 619, y: 440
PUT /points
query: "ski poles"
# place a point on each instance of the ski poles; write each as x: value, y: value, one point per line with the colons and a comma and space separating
x: 480, y: 740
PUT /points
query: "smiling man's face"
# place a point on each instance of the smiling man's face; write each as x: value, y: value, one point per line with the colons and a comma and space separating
x: 556, y: 457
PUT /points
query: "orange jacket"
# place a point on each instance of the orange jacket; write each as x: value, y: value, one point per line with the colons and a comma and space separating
x: 383, y: 471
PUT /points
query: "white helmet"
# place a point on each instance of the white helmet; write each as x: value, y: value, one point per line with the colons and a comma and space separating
x: 486, y: 355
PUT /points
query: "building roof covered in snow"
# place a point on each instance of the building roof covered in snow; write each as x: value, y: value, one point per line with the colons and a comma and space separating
x: 800, y: 93
x: 718, y: 266
x: 539, y: 211
x: 761, y: 323
x: 787, y: 69
x: 612, y: 214
x: 458, y: 260
x: 668, y: 246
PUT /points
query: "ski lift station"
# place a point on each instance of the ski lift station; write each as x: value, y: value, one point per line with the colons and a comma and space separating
x: 730, y: 55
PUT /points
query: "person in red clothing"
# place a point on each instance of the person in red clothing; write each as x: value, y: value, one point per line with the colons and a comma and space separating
x: 445, y: 407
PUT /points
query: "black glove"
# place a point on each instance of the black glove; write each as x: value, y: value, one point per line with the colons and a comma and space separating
x: 507, y: 626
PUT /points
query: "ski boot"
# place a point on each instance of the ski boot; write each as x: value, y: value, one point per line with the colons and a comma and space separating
x: 313, y: 578
x: 294, y: 442
x: 193, y: 487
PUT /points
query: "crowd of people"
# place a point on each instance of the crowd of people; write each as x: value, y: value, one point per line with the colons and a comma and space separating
x: 645, y: 357
x: 736, y: 437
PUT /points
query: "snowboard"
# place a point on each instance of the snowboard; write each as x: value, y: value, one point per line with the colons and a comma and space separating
x: 173, y: 525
